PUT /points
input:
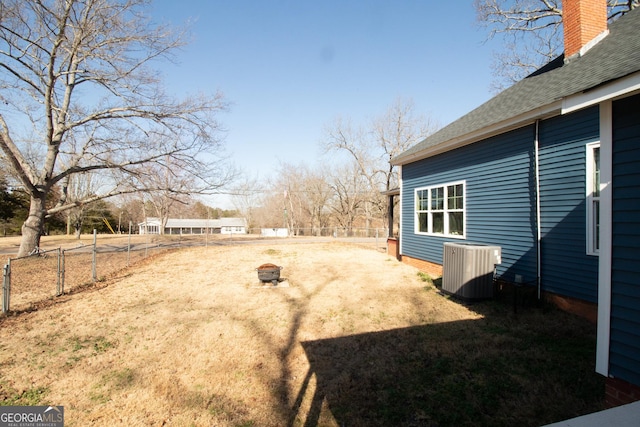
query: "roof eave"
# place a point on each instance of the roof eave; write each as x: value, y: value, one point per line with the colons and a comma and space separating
x: 512, y: 123
x: 610, y: 90
x: 391, y: 192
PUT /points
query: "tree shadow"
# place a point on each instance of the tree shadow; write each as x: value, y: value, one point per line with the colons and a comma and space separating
x: 298, y: 309
x: 501, y: 370
x: 532, y: 367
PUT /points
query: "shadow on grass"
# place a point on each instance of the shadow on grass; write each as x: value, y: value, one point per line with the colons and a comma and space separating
x: 502, y: 370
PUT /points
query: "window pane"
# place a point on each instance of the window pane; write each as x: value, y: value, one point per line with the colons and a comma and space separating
x: 437, y: 198
x: 438, y: 222
x: 422, y: 202
x: 456, y: 223
x: 454, y: 197
x: 596, y: 224
x: 423, y: 227
x: 596, y: 172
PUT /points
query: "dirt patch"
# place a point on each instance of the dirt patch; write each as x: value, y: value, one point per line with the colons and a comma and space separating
x: 186, y: 340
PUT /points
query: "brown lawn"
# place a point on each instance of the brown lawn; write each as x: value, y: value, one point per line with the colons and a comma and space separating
x: 190, y: 338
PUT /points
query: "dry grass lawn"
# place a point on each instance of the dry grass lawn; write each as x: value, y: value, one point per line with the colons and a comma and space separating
x: 351, y: 337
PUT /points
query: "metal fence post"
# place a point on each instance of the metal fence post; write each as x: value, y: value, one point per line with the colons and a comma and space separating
x: 62, y: 272
x: 129, y: 245
x: 94, y: 275
x: 6, y: 286
x: 58, y: 275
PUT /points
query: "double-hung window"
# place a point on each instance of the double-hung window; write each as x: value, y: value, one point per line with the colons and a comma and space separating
x: 593, y: 198
x: 440, y: 209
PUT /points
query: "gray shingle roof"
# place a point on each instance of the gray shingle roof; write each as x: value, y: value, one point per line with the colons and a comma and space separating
x: 616, y: 56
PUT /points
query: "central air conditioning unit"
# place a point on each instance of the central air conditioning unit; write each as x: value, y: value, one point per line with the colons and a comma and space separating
x: 469, y: 269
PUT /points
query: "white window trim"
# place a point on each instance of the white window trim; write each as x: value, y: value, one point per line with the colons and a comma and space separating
x: 591, y: 247
x: 446, y: 210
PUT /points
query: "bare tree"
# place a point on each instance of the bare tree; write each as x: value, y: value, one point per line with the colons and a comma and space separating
x: 246, y: 196
x: 531, y: 31
x: 171, y: 185
x: 197, y: 209
x: 307, y: 193
x: 372, y: 146
x: 290, y: 180
x: 80, y: 94
x: 316, y: 197
x: 129, y: 211
x: 349, y: 187
x: 78, y: 187
x: 297, y: 198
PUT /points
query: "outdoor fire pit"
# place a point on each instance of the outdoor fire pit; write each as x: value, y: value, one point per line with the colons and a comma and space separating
x: 269, y: 273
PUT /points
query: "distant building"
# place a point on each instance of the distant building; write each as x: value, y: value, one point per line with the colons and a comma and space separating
x: 194, y: 226
x: 274, y: 232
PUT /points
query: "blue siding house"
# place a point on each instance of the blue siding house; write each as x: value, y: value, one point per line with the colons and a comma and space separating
x: 549, y: 170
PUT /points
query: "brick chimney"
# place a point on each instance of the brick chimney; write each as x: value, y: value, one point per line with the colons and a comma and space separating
x: 585, y: 24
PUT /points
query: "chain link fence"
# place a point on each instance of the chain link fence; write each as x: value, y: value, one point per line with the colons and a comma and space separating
x: 336, y: 232
x: 47, y: 274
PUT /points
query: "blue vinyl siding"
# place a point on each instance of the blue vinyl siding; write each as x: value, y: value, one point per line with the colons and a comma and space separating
x: 566, y: 269
x: 500, y: 204
x: 624, y: 357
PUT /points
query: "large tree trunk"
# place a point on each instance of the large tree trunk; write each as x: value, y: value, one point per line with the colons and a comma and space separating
x: 33, y: 227
x: 164, y: 219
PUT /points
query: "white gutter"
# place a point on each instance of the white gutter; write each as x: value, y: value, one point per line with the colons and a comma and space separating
x: 400, y: 201
x: 536, y: 144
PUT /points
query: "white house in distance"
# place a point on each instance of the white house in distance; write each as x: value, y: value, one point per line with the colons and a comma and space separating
x: 194, y: 226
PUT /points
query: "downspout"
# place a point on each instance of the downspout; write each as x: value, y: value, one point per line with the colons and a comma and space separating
x: 400, y: 202
x: 536, y: 144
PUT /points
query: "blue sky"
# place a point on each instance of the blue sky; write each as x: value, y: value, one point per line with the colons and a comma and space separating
x: 290, y: 68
